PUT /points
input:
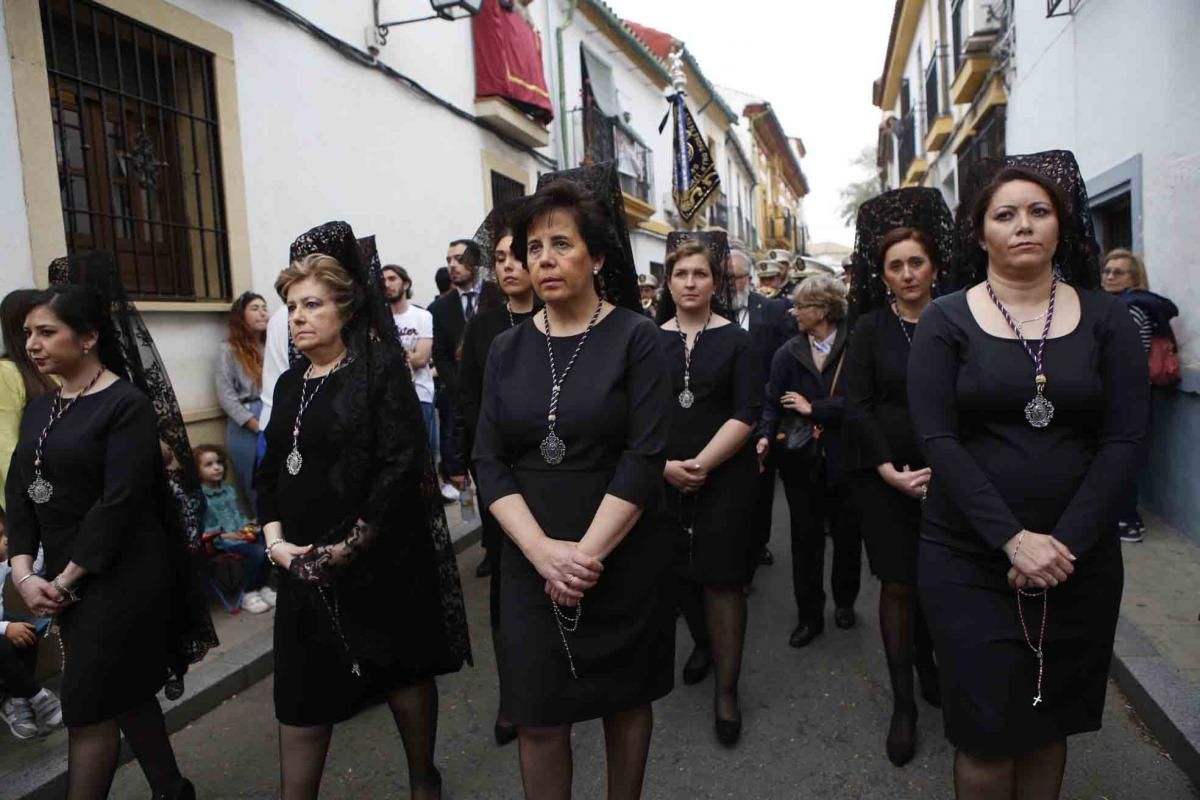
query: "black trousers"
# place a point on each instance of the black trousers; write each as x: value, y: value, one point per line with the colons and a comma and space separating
x: 17, y: 668
x: 813, y: 507
x: 760, y: 520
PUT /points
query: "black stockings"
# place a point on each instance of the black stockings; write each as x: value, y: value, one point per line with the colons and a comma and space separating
x: 546, y: 762
x: 302, y: 750
x: 92, y: 752
x: 907, y: 644
x: 725, y: 610
x: 415, y: 709
x: 1036, y: 775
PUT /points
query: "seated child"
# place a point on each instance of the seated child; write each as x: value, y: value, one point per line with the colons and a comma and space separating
x: 28, y: 709
x: 237, y: 534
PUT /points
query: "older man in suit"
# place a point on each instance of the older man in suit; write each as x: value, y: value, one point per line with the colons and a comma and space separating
x: 771, y: 325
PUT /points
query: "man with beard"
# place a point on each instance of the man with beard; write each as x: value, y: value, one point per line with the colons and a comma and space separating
x: 415, y: 327
x: 451, y: 312
x: 770, y: 326
x: 520, y: 304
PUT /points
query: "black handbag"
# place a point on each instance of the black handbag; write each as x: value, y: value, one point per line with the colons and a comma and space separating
x: 797, y: 434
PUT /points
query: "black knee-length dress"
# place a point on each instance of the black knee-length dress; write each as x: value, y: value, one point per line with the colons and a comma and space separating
x: 613, y: 418
x: 726, y: 384
x: 878, y: 430
x: 106, y: 514
x: 389, y: 600
x: 995, y: 475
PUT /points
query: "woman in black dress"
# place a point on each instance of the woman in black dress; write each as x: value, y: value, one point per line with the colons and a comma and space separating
x: 802, y: 412
x: 1029, y: 396
x: 370, y: 603
x: 902, y: 240
x: 711, y: 471
x: 87, y: 484
x: 570, y: 453
x: 494, y: 238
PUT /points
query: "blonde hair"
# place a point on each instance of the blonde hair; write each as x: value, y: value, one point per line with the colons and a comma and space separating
x: 825, y: 292
x: 1137, y: 266
x: 326, y: 269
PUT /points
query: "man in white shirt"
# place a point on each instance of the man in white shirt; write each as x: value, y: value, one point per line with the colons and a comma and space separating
x: 415, y: 326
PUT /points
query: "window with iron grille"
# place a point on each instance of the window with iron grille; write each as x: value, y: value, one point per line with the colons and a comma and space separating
x: 931, y: 92
x: 137, y: 140
x: 505, y: 189
x: 988, y: 142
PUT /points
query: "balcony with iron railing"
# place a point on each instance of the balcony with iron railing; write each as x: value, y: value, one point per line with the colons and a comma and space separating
x: 908, y: 143
x: 606, y: 139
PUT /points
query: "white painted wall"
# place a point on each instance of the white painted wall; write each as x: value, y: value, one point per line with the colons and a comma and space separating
x: 1113, y: 81
x: 15, y: 268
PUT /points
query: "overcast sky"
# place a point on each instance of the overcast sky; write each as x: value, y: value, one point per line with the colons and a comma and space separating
x: 814, y: 60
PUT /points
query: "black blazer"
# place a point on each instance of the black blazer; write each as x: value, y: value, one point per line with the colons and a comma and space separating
x: 449, y: 324
x: 793, y: 370
x: 771, y: 326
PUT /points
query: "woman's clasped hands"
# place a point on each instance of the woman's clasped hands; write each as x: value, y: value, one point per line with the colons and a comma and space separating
x: 567, y: 569
x: 686, y: 476
x: 1038, y: 561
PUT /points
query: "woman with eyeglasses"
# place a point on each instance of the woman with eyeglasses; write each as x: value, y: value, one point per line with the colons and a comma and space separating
x: 1124, y: 275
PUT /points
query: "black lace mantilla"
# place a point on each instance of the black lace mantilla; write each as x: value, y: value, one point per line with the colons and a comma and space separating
x: 922, y: 208
x: 1077, y: 258
x: 135, y: 358
x: 717, y: 244
x: 618, y: 276
x: 386, y: 451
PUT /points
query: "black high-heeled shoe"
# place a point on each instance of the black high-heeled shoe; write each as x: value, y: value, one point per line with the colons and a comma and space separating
x: 728, y: 730
x: 504, y: 732
x: 902, y: 736
x: 696, y: 668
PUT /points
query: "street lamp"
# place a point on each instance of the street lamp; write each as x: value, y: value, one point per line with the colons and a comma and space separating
x: 442, y: 9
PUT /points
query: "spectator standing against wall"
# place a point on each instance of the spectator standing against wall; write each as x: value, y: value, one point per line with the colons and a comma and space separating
x: 239, y: 386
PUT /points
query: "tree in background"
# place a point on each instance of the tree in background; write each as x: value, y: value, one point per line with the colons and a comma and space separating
x: 860, y: 191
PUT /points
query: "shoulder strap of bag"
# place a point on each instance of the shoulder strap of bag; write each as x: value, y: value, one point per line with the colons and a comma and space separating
x: 837, y: 373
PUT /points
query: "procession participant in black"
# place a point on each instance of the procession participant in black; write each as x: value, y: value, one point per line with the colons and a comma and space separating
x: 88, y: 485
x: 1029, y: 395
x: 770, y: 324
x: 370, y: 603
x: 494, y: 238
x: 902, y: 240
x: 570, y: 452
x: 802, y: 412
x: 468, y: 296
x: 711, y: 471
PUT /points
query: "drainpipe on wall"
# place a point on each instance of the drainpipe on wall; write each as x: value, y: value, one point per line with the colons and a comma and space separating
x: 564, y: 121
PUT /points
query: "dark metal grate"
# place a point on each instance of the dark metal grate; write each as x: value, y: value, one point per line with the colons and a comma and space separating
x: 931, y: 93
x: 505, y: 189
x: 138, y: 144
x: 956, y: 30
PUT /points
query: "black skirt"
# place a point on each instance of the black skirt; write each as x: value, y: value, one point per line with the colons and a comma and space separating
x: 989, y: 672
x: 891, y: 528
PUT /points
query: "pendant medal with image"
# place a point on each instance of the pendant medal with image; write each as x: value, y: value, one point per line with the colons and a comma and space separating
x: 294, y: 462
x: 553, y: 449
x: 40, y: 490
x: 686, y: 398
x: 1039, y: 411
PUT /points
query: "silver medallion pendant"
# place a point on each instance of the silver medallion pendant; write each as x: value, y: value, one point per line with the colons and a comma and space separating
x: 40, y: 490
x: 686, y: 398
x: 553, y: 449
x: 294, y: 462
x: 1039, y: 411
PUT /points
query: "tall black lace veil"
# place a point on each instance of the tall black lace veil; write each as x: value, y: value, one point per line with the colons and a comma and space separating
x: 132, y: 355
x: 618, y: 276
x: 386, y: 455
x: 922, y: 208
x: 717, y: 244
x: 1077, y: 258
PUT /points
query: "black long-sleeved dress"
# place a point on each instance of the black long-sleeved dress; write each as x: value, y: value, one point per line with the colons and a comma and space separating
x: 995, y: 475
x: 105, y: 514
x: 879, y: 430
x: 727, y: 384
x: 388, y: 600
x: 613, y: 418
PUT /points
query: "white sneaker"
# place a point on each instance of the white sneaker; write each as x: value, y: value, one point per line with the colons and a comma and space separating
x: 47, y: 711
x: 19, y: 716
x: 268, y: 595
x: 449, y: 493
x: 252, y: 602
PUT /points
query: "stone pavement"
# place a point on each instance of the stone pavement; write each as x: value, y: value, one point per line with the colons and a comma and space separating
x: 815, y: 722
